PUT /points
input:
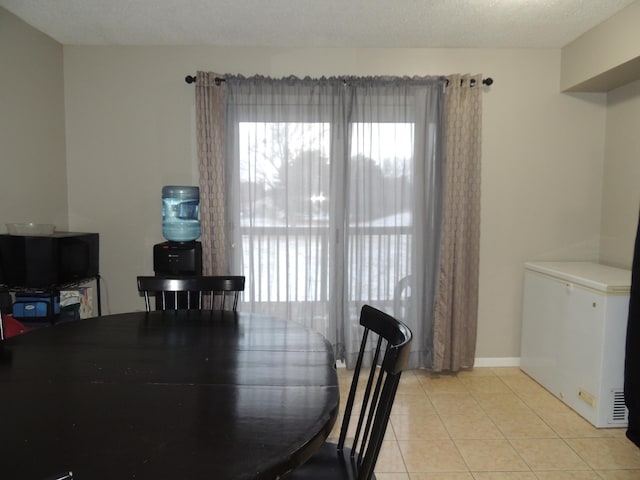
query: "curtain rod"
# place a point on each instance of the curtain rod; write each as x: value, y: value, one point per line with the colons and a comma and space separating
x: 192, y: 79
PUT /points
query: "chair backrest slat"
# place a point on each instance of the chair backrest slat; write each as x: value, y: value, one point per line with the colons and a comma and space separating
x: 194, y: 288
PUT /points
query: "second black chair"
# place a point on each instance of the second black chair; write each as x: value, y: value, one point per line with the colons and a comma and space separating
x: 338, y: 462
x: 190, y: 292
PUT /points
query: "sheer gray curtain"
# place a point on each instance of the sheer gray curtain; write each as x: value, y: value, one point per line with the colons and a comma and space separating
x: 334, y: 199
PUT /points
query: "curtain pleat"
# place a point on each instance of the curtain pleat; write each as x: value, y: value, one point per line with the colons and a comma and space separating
x: 456, y: 306
x: 210, y: 126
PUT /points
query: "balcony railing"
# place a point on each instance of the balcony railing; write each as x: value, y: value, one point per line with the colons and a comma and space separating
x: 292, y: 264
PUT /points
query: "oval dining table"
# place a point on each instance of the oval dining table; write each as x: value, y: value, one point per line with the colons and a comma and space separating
x: 165, y: 395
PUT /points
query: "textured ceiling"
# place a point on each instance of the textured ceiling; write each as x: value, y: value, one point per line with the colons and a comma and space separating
x: 317, y: 23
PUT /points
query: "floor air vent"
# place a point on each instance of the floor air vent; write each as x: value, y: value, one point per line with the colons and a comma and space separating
x: 619, y: 411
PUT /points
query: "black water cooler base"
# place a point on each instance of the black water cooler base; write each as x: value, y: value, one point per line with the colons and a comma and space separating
x: 178, y: 258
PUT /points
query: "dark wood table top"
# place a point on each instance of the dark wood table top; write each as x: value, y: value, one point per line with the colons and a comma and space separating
x: 165, y: 396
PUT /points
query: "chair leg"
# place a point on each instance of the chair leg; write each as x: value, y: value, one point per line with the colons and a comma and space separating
x: 235, y: 301
x: 147, y: 304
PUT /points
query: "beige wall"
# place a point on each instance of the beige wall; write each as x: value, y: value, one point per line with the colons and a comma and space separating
x: 130, y: 130
x: 621, y: 184
x: 33, y: 184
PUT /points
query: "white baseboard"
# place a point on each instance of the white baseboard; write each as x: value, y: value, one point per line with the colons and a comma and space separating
x: 497, y: 362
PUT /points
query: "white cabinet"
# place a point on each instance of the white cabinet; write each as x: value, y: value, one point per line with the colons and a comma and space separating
x: 573, y: 335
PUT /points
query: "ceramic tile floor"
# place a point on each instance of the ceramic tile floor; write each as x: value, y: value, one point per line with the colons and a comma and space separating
x: 494, y: 424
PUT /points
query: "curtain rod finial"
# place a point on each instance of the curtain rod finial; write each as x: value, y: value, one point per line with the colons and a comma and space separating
x: 190, y: 79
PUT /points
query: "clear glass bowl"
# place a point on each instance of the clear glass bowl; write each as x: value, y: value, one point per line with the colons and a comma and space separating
x: 30, y: 229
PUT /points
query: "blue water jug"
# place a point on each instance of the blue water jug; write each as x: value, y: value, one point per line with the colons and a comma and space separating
x: 180, y: 213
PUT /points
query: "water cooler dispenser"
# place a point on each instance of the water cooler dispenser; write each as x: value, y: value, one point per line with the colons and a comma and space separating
x: 181, y: 254
x: 177, y: 258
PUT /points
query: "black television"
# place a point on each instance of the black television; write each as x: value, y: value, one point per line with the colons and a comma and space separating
x: 46, y: 261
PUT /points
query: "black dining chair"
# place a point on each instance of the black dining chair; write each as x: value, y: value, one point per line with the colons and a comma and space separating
x: 191, y: 292
x: 357, y: 461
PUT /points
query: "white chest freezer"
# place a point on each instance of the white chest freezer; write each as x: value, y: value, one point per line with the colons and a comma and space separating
x: 574, y: 323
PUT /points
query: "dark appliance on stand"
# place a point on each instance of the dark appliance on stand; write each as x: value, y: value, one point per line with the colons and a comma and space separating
x: 178, y: 258
x: 34, y: 262
x: 37, y: 267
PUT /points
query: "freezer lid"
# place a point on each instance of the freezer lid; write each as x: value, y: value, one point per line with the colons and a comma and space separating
x: 588, y: 274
